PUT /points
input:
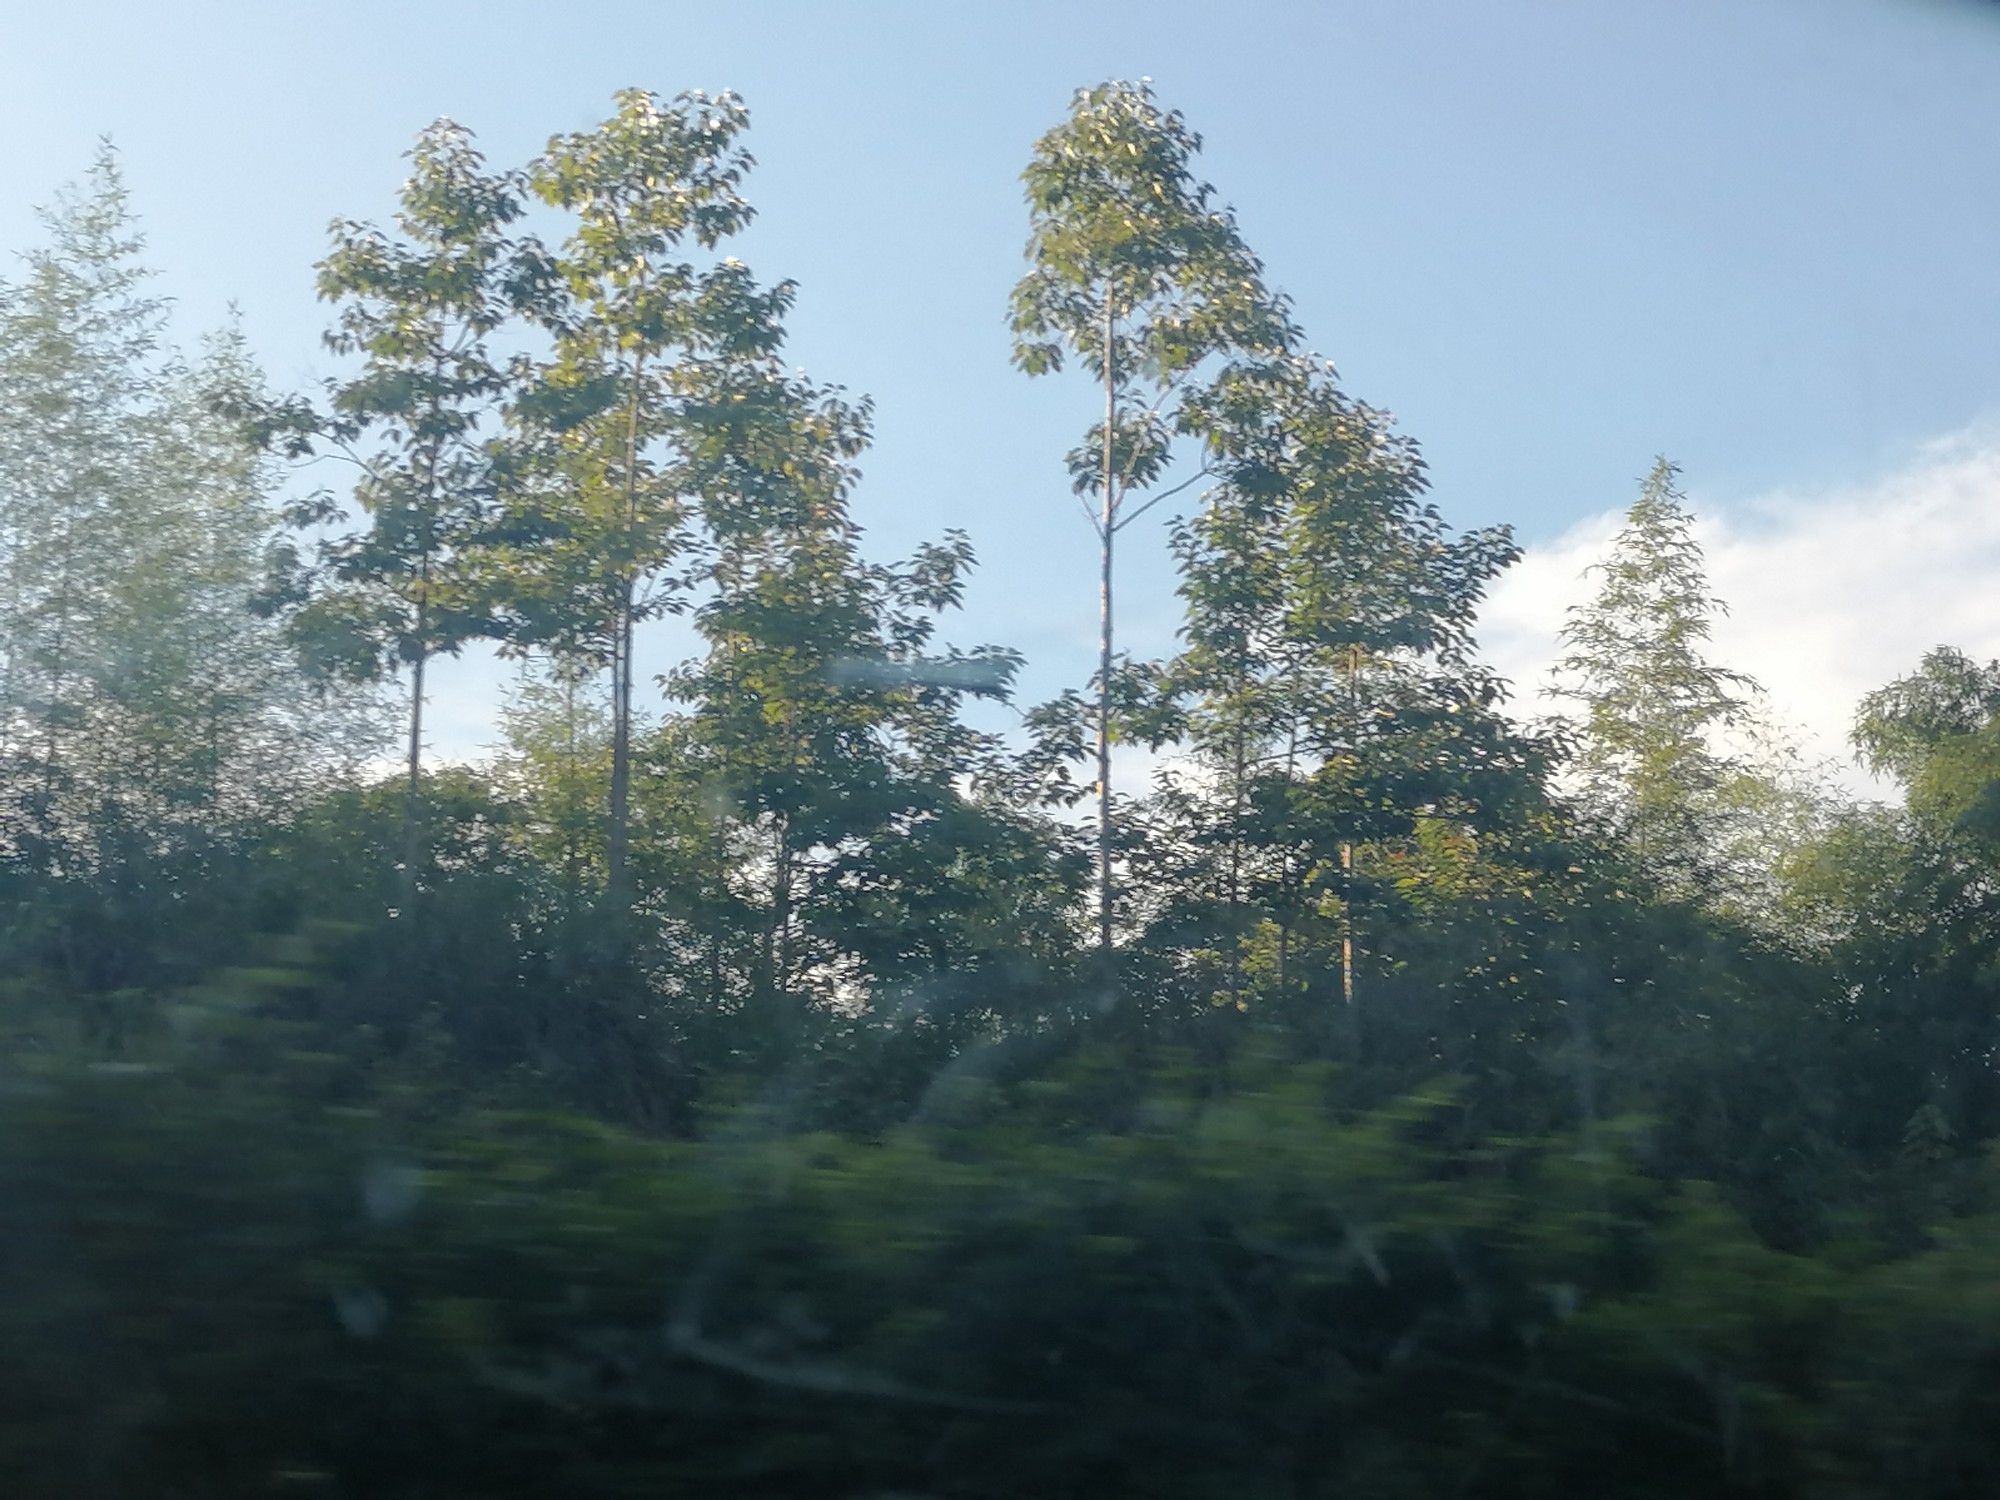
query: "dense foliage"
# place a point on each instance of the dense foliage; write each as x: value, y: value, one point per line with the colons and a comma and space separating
x: 780, y: 1087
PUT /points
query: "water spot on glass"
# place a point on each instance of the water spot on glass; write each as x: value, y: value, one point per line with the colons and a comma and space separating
x: 390, y: 1188
x: 361, y: 1310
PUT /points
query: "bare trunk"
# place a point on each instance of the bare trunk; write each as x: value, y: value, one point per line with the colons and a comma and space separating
x: 413, y: 785
x: 781, y: 911
x: 1285, y: 858
x: 58, y: 660
x: 1107, y: 515
x: 53, y: 718
x: 1347, y: 846
x: 1237, y: 772
x: 1347, y: 924
x: 618, y: 825
x: 413, y: 790
x: 572, y: 777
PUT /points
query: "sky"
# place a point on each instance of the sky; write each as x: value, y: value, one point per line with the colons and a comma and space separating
x: 1554, y: 237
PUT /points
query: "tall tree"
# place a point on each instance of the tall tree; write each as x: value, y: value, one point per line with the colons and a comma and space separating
x: 214, y: 716
x: 1327, y: 688
x: 818, y: 722
x: 137, y: 688
x: 613, y: 423
x: 78, y: 372
x: 1651, y: 764
x: 1135, y: 272
x: 419, y: 312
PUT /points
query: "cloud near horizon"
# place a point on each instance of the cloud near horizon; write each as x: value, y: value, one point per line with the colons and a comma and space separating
x: 1830, y: 594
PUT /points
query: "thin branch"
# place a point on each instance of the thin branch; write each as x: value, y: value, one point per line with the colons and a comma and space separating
x: 1167, y: 390
x: 1193, y: 479
x: 1089, y: 515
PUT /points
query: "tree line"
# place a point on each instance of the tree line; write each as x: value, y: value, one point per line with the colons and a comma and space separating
x: 774, y: 1084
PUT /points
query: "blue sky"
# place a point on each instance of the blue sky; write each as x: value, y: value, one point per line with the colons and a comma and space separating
x: 1555, y: 237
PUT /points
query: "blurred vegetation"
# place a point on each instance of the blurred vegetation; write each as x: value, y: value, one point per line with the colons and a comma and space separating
x: 742, y: 1098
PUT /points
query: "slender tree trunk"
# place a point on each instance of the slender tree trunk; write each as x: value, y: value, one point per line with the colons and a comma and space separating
x: 618, y: 823
x: 1347, y: 845
x: 1238, y: 770
x: 1107, y: 516
x: 58, y: 665
x: 572, y: 778
x: 781, y: 912
x: 618, y: 831
x: 1347, y: 924
x: 413, y: 786
x: 10, y: 629
x: 1285, y: 902
x: 413, y: 789
x: 53, y: 717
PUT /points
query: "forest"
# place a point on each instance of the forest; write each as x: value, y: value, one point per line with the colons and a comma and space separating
x: 1293, y: 1067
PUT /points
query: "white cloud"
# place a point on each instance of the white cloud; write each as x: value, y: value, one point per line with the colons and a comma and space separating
x: 1831, y: 594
